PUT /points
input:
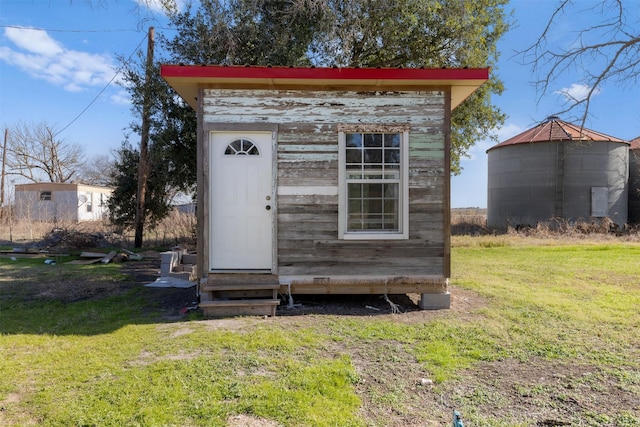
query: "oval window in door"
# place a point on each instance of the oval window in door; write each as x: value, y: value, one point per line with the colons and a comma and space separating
x: 242, y: 147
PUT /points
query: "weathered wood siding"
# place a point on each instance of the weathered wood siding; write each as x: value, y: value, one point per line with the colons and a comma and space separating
x: 307, y: 176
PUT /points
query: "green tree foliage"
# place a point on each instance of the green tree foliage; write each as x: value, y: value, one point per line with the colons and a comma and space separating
x: 354, y: 33
x: 246, y: 32
x: 124, y: 179
x: 172, y: 150
x: 419, y: 33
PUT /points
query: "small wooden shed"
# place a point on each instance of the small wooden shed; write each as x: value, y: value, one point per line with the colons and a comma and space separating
x: 322, y: 181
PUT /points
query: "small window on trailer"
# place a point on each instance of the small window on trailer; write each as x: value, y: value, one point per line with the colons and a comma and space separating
x: 89, y: 202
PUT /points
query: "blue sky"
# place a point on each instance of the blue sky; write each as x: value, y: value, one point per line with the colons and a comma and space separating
x: 58, y: 63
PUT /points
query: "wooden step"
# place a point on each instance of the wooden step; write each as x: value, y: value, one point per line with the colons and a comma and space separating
x: 241, y: 291
x: 241, y: 278
x: 213, y: 287
x: 240, y: 307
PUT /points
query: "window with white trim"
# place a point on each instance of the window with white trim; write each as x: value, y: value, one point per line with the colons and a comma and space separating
x: 373, y: 185
x: 89, y: 203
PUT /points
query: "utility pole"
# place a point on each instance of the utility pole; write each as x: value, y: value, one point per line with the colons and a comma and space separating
x: 3, y: 172
x: 143, y: 162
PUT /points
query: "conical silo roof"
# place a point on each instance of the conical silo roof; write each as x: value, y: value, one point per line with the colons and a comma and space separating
x: 554, y: 129
x: 635, y: 144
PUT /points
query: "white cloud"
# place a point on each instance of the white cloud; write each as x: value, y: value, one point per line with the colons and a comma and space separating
x: 479, y: 149
x: 35, y: 41
x: 42, y: 57
x: 509, y: 130
x: 121, y: 98
x: 161, y: 6
x: 576, y: 92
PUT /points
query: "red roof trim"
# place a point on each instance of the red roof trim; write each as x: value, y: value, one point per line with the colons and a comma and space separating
x: 212, y: 71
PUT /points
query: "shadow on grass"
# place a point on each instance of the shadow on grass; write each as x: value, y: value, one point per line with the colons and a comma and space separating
x: 138, y: 305
x: 61, y: 299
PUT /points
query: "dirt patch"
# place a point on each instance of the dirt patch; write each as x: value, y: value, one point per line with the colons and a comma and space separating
x: 249, y: 421
x: 542, y: 392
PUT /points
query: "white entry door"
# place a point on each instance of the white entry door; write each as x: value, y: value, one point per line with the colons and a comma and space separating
x: 241, y: 201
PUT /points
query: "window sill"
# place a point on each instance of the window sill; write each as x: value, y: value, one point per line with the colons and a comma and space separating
x: 374, y: 236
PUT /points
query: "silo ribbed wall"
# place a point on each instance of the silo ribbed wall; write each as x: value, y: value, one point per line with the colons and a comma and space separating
x: 535, y: 182
x: 634, y: 186
x: 521, y: 184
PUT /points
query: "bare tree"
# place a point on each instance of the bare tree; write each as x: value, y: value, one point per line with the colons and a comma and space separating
x: 37, y: 154
x: 97, y: 171
x: 607, y: 52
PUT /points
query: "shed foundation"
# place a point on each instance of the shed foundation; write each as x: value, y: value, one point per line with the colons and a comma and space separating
x: 435, y: 301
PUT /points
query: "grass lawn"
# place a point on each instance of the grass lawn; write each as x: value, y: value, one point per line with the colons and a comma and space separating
x: 539, y: 333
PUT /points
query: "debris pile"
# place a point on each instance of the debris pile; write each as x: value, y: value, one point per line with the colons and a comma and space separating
x: 77, y: 239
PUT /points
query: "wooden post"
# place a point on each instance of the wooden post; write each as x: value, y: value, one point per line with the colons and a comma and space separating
x: 143, y: 162
x: 3, y: 172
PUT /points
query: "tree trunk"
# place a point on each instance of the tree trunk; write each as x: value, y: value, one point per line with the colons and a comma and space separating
x: 143, y: 163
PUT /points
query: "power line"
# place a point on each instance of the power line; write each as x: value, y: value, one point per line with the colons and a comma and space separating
x: 57, y: 30
x: 104, y: 88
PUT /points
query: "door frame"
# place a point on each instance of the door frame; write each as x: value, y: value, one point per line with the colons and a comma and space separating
x: 204, y: 190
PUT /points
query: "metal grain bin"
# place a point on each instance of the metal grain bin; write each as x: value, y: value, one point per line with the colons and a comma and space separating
x: 557, y: 170
x: 634, y: 182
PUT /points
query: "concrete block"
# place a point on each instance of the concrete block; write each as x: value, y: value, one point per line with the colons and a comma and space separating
x: 181, y: 275
x: 435, y: 301
x: 168, y: 260
x: 190, y: 259
x: 180, y: 253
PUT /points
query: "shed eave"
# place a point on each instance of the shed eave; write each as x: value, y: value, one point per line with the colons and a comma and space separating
x: 187, y: 80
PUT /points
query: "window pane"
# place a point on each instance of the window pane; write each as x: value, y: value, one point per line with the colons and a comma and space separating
x: 390, y: 206
x: 354, y: 140
x: 372, y: 190
x: 373, y: 156
x: 242, y: 147
x: 391, y: 190
x: 355, y: 206
x: 373, y: 140
x: 372, y: 206
x: 354, y: 223
x: 354, y: 191
x: 354, y: 155
x: 391, y: 155
x: 392, y: 140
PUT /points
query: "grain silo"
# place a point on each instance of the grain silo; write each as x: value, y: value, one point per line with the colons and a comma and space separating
x: 634, y: 181
x: 557, y: 170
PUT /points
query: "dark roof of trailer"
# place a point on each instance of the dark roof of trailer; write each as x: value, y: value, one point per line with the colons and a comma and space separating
x: 188, y: 79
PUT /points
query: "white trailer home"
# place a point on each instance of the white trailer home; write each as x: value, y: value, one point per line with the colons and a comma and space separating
x: 61, y: 202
